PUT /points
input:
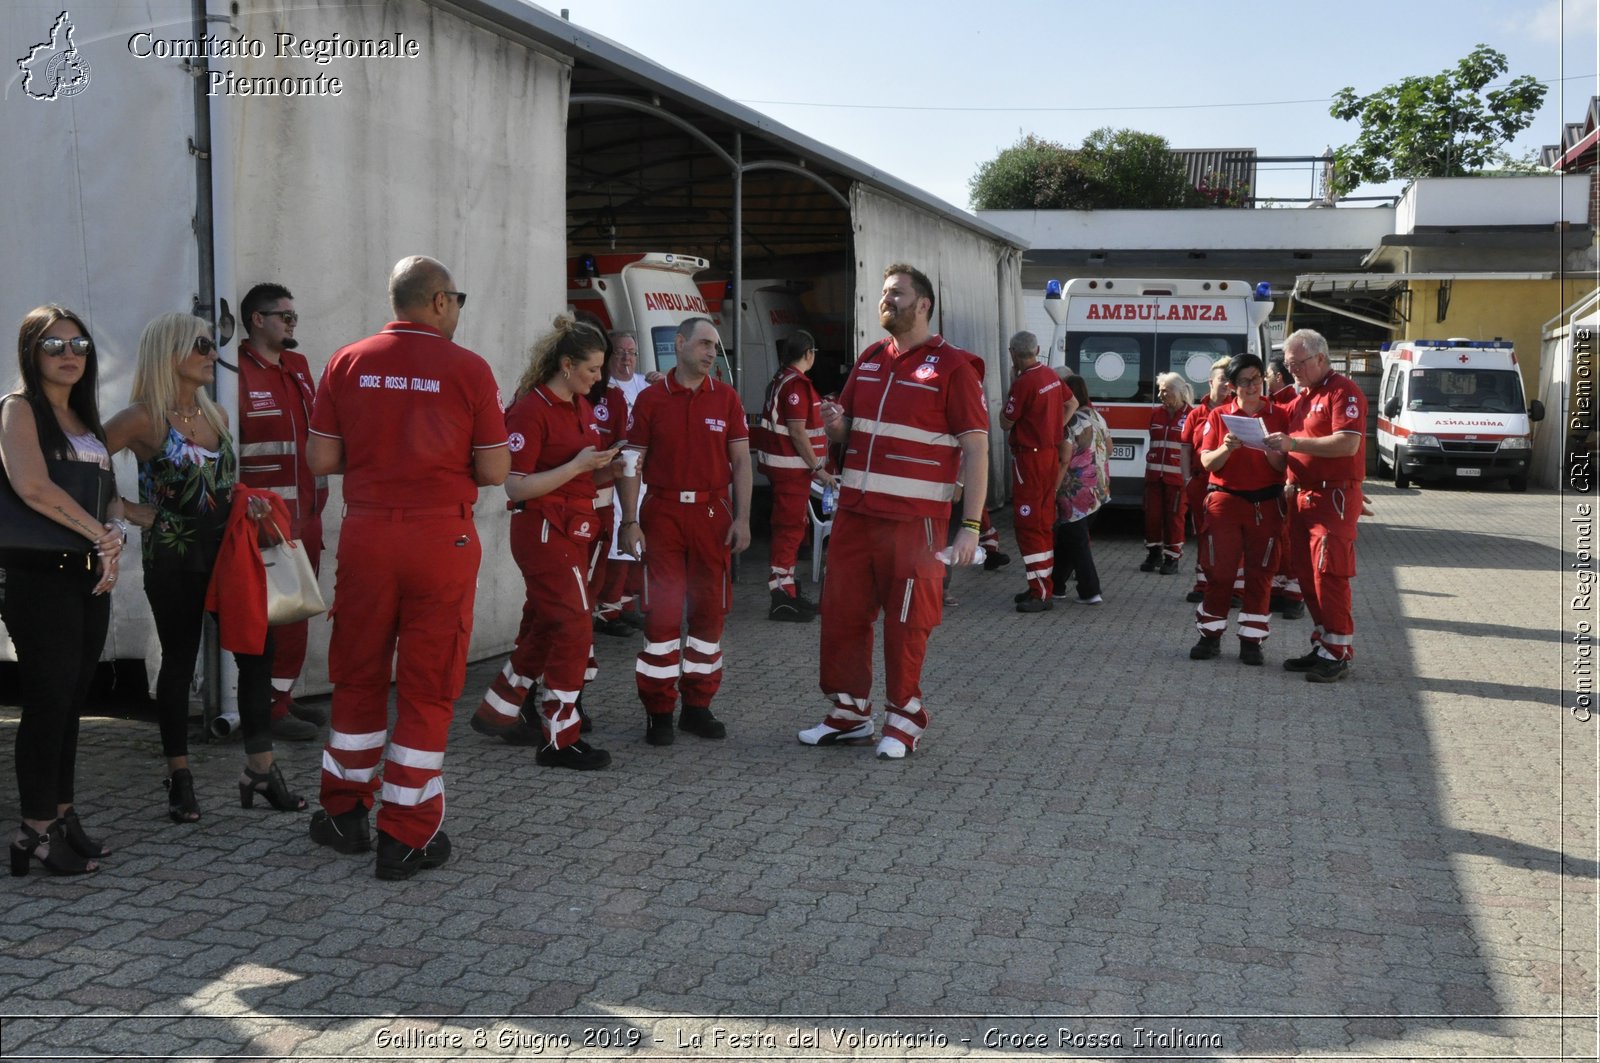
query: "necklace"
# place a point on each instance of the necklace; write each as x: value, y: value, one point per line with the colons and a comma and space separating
x: 187, y: 417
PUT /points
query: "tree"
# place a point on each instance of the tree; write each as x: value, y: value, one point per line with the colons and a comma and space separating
x: 1133, y: 171
x: 1032, y: 174
x: 1439, y: 126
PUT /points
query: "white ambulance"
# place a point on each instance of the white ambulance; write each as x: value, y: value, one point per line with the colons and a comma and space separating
x: 1454, y: 410
x: 1120, y: 333
x: 647, y: 293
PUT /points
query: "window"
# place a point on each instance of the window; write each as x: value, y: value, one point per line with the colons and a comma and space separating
x: 1114, y: 367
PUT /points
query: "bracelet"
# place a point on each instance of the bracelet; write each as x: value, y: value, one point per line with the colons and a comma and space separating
x: 625, y: 523
x: 972, y: 525
x: 1293, y: 447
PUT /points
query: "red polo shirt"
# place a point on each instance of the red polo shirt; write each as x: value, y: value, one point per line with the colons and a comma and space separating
x: 410, y: 408
x: 1247, y: 469
x: 686, y: 434
x: 1335, y: 405
x: 546, y: 433
x: 1037, y: 405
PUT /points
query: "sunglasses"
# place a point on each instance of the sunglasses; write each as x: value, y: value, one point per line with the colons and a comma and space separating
x: 55, y: 346
x: 461, y: 297
x: 204, y: 346
x: 290, y: 317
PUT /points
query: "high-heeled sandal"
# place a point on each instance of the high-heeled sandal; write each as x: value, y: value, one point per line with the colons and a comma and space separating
x: 58, y: 858
x: 181, y: 805
x: 81, y: 843
x: 269, y: 784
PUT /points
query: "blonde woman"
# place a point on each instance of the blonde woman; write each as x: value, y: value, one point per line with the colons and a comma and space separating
x: 187, y: 471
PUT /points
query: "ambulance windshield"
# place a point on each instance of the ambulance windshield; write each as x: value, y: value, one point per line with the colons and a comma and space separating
x: 1476, y: 390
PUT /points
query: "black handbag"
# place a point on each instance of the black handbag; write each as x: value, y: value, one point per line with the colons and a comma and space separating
x: 24, y: 528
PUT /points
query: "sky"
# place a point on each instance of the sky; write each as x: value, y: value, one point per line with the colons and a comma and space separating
x: 927, y: 93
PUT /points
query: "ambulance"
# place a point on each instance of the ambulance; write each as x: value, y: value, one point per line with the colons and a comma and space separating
x: 1453, y: 410
x: 646, y: 293
x: 769, y: 313
x: 1121, y: 333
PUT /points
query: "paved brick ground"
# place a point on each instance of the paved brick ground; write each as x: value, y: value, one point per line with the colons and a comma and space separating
x: 1099, y: 837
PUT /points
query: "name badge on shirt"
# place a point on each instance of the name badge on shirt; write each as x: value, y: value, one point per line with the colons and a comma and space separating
x: 716, y: 424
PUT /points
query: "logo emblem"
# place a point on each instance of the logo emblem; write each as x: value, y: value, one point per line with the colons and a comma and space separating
x: 602, y: 413
x: 55, y: 68
x: 794, y: 400
x: 926, y: 372
x: 516, y: 442
x: 1024, y: 511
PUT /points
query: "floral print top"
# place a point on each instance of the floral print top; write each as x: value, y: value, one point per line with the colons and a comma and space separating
x: 191, y: 488
x: 1087, y: 485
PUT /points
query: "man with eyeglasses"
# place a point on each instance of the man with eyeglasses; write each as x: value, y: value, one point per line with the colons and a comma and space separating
x: 275, y: 398
x: 414, y: 422
x: 1327, y: 447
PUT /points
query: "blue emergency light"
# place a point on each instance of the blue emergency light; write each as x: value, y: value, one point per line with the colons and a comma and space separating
x: 1264, y: 292
x: 1052, y: 289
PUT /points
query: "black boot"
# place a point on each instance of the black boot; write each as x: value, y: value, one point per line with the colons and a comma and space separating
x: 1152, y: 558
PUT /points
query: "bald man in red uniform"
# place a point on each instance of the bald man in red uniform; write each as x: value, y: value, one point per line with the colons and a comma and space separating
x: 1034, y: 417
x: 414, y: 423
x: 690, y: 433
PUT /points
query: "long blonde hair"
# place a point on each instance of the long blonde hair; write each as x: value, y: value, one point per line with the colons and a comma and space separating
x: 567, y: 339
x: 167, y: 340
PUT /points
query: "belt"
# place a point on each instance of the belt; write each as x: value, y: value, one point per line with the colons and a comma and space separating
x: 463, y: 510
x: 1259, y: 494
x: 1326, y: 485
x: 576, y: 505
x: 688, y: 498
x: 1031, y: 450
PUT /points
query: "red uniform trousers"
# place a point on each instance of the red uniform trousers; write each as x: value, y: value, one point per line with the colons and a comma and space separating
x: 686, y: 563
x: 407, y: 579
x: 554, y: 646
x: 1322, y: 536
x: 1285, y: 582
x: 877, y: 564
x: 988, y: 537
x: 1033, y: 481
x: 1238, y: 533
x: 1164, y: 508
x: 289, y: 640
x: 790, y: 518
x: 1194, y: 499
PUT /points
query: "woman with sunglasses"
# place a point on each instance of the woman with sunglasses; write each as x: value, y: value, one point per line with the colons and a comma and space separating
x: 187, y: 471
x: 56, y: 606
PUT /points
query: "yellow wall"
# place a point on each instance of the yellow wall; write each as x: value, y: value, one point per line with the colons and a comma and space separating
x: 1485, y: 310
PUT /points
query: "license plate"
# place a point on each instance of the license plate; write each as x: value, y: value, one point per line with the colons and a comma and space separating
x: 1122, y: 452
x: 1469, y: 472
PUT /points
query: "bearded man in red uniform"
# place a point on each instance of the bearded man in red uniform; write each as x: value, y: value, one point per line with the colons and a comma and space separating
x: 914, y: 421
x: 414, y: 423
x: 1034, y: 415
x: 1327, y: 447
x: 690, y: 433
x: 275, y: 397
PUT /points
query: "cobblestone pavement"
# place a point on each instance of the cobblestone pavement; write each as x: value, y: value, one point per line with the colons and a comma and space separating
x: 1158, y: 857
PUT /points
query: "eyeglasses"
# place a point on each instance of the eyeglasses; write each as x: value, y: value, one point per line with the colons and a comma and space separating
x: 204, y: 347
x: 461, y: 297
x: 1291, y: 363
x: 290, y: 317
x: 55, y: 346
x: 1247, y: 382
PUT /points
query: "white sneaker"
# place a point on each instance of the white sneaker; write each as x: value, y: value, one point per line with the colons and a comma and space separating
x: 1095, y: 600
x: 891, y: 749
x: 825, y: 735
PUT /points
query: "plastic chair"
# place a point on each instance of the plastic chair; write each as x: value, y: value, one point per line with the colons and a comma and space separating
x: 821, y: 528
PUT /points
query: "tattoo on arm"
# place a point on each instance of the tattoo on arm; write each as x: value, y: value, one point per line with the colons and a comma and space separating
x: 76, y: 523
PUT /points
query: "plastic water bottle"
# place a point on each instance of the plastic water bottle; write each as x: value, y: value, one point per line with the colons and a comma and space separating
x: 828, y: 498
x: 977, y: 555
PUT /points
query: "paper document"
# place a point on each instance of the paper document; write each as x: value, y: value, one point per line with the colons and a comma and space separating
x: 1251, y: 432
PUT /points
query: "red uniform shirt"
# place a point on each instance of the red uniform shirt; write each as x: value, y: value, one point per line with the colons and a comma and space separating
x: 411, y: 408
x: 611, y: 415
x: 686, y: 434
x: 907, y: 413
x: 1333, y: 406
x: 274, y: 414
x: 1161, y: 461
x: 546, y: 433
x: 1246, y: 469
x: 1037, y: 406
x: 790, y: 397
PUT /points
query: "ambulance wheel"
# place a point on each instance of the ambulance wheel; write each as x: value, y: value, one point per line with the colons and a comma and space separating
x: 1518, y: 484
x: 1401, y: 480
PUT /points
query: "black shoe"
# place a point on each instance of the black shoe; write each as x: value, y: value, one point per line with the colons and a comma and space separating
x: 270, y: 785
x: 1326, y: 671
x: 347, y: 832
x: 1277, y: 604
x: 634, y: 620
x: 1294, y: 610
x: 615, y: 628
x: 994, y: 559
x: 1035, y: 605
x: 523, y: 733
x: 789, y: 609
x: 1195, y: 596
x: 698, y: 721
x: 397, y: 860
x: 1169, y: 566
x: 316, y: 714
x: 1250, y: 653
x: 1152, y: 559
x: 1205, y: 649
x: 579, y: 756
x: 181, y: 804
x: 291, y: 728
x: 1303, y: 664
x: 1236, y: 602
x: 658, y: 731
